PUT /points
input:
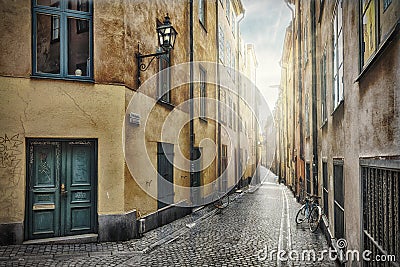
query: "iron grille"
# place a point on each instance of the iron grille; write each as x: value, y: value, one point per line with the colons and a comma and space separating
x: 325, y: 187
x: 380, y: 196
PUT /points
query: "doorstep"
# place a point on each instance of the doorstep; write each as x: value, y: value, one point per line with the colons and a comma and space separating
x: 72, y: 239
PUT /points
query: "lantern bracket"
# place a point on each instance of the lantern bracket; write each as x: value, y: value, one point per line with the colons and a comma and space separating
x: 142, y: 66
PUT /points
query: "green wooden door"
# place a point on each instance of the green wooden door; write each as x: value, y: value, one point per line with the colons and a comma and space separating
x: 61, y: 191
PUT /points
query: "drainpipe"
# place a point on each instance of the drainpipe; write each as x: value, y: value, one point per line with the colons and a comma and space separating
x: 218, y: 93
x: 191, y: 89
x: 299, y: 54
x: 238, y: 103
x: 293, y: 95
x: 314, y: 97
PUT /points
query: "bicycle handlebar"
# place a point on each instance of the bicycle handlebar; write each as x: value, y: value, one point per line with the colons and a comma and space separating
x: 313, y: 196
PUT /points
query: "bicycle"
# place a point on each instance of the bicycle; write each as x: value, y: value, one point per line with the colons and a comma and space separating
x: 220, y: 199
x: 310, y: 211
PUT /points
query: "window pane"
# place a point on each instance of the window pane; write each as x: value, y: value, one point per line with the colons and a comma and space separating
x: 338, y: 184
x: 202, y: 93
x: 335, y: 60
x: 369, y: 31
x: 52, y: 3
x: 47, y: 46
x: 221, y: 44
x: 78, y: 47
x: 335, y: 89
x: 80, y: 5
x: 340, y: 50
x: 201, y: 11
x: 339, y: 16
x: 340, y: 93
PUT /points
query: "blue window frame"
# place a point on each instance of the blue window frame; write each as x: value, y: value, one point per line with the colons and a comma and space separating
x: 62, y: 44
x: 202, y: 12
x: 386, y: 4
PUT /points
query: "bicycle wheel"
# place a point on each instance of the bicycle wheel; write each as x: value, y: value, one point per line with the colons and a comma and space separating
x: 301, y: 214
x: 314, y: 219
x: 217, y: 201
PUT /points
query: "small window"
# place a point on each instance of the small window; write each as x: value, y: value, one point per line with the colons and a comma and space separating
x: 62, y: 39
x: 305, y: 43
x: 228, y: 10
x: 228, y: 57
x: 221, y: 42
x: 307, y: 115
x: 369, y: 31
x: 338, y: 56
x: 233, y: 66
x: 386, y: 4
x: 202, y: 12
x: 234, y: 117
x: 233, y: 24
x: 230, y: 120
x: 203, y: 94
x: 222, y: 104
x: 324, y: 115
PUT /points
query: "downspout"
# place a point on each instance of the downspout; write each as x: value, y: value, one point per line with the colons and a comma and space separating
x: 314, y: 97
x: 256, y: 123
x: 293, y: 95
x: 218, y: 93
x: 299, y: 54
x: 238, y: 103
x: 191, y: 89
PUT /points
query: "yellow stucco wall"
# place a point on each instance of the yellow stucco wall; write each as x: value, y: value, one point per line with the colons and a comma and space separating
x: 43, y: 108
x: 141, y: 152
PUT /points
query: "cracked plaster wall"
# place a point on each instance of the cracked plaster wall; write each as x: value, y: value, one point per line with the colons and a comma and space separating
x: 56, y: 109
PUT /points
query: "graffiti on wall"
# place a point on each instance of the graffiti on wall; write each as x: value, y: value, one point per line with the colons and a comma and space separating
x: 11, y: 149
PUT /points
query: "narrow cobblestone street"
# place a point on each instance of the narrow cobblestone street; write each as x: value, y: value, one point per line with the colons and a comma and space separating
x: 243, y: 234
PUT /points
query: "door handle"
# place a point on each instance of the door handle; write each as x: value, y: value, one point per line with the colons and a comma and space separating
x: 63, y: 191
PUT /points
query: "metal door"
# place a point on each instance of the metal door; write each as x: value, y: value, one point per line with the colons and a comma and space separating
x: 224, y: 166
x: 165, y: 184
x: 308, y: 179
x: 60, y: 188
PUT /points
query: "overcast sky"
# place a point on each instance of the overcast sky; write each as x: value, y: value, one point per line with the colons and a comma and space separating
x: 264, y: 25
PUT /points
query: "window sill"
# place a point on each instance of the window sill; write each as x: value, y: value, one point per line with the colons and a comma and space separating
x: 203, y: 120
x: 68, y: 78
x: 337, y: 107
x: 379, y: 52
x: 203, y: 26
x: 324, y: 123
x: 166, y: 104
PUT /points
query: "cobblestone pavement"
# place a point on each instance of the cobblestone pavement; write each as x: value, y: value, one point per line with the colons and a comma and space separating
x: 243, y: 234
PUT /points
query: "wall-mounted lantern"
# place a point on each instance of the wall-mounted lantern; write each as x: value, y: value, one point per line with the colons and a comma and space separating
x: 166, y: 40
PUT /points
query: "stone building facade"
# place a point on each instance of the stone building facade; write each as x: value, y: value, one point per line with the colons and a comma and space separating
x: 73, y: 101
x: 342, y: 98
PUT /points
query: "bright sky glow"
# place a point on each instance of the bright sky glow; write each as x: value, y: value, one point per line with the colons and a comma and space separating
x: 264, y: 25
